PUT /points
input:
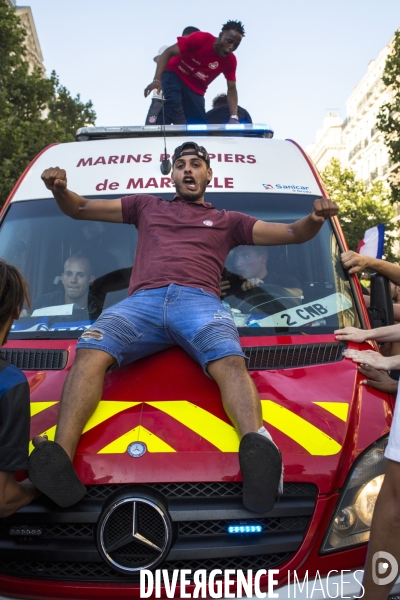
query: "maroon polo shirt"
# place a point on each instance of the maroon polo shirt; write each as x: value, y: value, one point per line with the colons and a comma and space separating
x: 182, y: 242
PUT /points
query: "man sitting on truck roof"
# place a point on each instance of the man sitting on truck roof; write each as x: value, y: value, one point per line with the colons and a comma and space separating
x: 173, y: 300
x: 186, y: 69
x: 14, y: 401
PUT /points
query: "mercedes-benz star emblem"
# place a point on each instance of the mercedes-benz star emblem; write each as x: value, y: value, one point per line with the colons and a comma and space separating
x: 134, y: 533
x: 136, y: 449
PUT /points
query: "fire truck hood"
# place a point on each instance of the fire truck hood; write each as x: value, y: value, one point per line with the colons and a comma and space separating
x: 172, y: 427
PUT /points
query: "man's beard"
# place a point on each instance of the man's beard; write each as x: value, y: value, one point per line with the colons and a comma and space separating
x: 191, y: 196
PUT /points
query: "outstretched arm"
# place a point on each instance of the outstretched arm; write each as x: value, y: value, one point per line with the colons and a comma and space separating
x: 77, y: 207
x: 162, y: 62
x: 232, y: 99
x: 373, y: 359
x: 273, y: 234
x: 378, y: 379
x: 391, y: 333
x: 357, y: 263
x: 369, y: 357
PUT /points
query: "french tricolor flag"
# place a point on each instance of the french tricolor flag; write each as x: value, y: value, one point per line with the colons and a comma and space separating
x: 372, y: 244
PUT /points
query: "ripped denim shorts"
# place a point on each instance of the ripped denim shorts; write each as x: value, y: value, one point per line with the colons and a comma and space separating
x: 153, y: 320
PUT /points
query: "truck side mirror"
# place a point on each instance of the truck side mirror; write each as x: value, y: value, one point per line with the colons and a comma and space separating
x: 381, y: 307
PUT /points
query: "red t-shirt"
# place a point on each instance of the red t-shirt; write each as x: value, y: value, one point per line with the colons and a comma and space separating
x: 182, y: 242
x: 198, y: 64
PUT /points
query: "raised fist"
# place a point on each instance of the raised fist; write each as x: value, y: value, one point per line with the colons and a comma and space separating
x: 323, y: 208
x: 55, y: 179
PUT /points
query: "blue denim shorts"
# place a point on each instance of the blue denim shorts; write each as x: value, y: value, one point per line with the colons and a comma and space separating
x: 153, y: 320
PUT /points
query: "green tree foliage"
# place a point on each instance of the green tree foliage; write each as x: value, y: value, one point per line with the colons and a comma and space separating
x: 34, y: 111
x: 360, y: 209
x: 389, y: 115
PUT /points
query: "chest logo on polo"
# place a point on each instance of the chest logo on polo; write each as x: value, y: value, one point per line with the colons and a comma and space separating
x: 213, y: 65
x: 209, y: 223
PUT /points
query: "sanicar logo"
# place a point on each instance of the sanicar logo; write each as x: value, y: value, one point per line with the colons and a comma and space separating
x: 302, y: 189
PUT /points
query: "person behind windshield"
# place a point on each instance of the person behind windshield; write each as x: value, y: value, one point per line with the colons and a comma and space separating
x: 251, y: 271
x: 76, y: 278
x: 220, y: 112
x: 14, y: 401
x: 156, y: 100
x: 186, y: 69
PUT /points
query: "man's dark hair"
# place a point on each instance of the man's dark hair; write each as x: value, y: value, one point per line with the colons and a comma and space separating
x: 189, y: 30
x: 220, y: 100
x: 235, y: 25
x: 13, y: 292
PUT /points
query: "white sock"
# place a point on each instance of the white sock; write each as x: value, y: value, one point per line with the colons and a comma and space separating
x: 264, y: 432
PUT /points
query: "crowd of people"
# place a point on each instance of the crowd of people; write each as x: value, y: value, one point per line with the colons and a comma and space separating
x: 382, y: 370
x: 184, y: 71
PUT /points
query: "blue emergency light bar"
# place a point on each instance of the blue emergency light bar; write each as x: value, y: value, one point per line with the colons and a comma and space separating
x: 85, y: 134
x: 196, y: 127
x: 244, y: 528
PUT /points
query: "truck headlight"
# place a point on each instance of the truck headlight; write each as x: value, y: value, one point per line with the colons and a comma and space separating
x: 351, y: 521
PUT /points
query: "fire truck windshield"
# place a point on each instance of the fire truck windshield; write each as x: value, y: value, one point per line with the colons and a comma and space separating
x: 75, y: 269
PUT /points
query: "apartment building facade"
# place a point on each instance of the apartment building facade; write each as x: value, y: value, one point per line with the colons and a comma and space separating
x: 34, y: 54
x: 356, y: 141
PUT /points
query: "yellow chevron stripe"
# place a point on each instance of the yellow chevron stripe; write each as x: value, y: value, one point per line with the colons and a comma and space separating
x: 315, y: 441
x: 222, y: 435
x: 137, y: 434
x: 38, y: 407
x: 105, y: 410
x: 211, y: 428
x: 339, y: 409
x: 51, y: 433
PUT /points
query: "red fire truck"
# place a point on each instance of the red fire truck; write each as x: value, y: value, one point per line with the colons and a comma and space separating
x: 159, y: 456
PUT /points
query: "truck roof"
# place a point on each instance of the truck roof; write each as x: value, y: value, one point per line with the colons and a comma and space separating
x: 121, y: 165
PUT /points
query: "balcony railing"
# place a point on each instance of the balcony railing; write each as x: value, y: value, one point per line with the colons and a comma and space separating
x: 374, y: 131
x: 363, y: 101
x: 363, y: 144
x: 356, y: 149
x: 374, y: 174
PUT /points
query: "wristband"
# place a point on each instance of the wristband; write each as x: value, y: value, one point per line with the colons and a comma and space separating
x: 156, y: 80
x: 235, y: 117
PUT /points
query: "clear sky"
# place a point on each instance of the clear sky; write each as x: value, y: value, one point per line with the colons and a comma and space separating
x: 298, y: 59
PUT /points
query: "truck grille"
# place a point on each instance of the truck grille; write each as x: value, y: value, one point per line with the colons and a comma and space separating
x: 65, y: 548
x: 100, y: 572
x: 200, y: 490
x: 36, y: 360
x: 288, y: 357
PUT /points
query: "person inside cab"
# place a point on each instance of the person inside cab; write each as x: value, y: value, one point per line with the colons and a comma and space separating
x: 251, y: 279
x: 76, y: 278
